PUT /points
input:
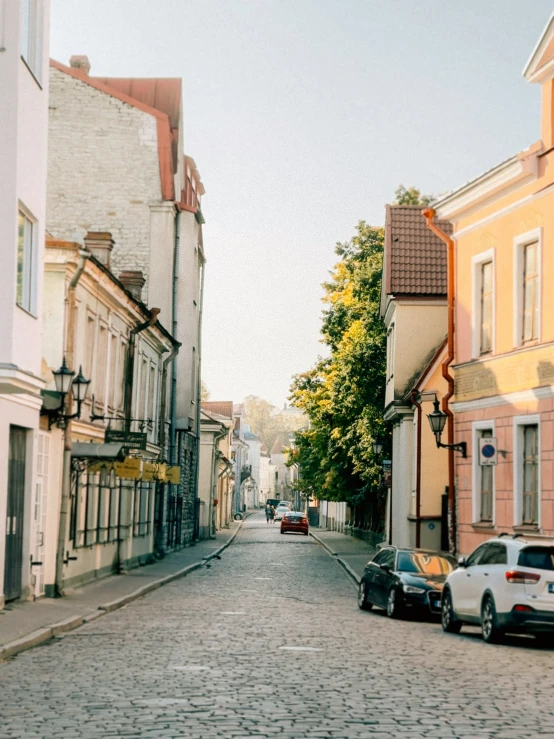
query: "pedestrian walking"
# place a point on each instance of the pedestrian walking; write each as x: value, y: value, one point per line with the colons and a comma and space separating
x: 272, y: 514
x: 267, y: 512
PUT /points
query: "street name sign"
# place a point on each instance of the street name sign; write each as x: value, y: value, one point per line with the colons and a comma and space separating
x: 130, y: 439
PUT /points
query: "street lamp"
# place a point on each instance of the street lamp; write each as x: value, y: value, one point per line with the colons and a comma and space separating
x: 437, y: 421
x: 65, y: 381
x: 377, y: 446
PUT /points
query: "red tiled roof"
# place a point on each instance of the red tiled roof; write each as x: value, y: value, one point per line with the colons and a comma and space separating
x: 415, y: 258
x: 221, y: 407
x: 159, y: 98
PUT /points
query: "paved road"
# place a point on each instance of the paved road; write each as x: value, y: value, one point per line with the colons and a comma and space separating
x: 204, y: 658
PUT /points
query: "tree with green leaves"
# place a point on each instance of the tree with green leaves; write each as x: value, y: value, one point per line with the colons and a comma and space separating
x: 411, y: 196
x: 343, y: 395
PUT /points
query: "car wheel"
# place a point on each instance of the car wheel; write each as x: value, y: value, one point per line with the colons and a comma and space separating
x: 450, y: 623
x: 492, y: 633
x: 362, y: 598
x: 394, y: 608
x: 282, y: 531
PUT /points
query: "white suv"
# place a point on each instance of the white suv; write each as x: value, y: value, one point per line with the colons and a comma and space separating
x: 506, y: 584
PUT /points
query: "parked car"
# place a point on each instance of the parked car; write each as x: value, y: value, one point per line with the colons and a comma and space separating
x: 295, y: 521
x: 505, y: 585
x: 280, y: 511
x: 287, y: 503
x: 400, y: 580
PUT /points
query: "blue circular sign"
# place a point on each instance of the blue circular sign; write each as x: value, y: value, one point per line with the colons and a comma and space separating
x: 488, y: 451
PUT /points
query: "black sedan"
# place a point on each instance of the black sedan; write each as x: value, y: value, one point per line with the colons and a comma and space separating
x: 400, y: 580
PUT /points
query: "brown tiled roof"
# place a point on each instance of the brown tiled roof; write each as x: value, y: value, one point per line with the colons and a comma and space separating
x: 221, y: 407
x: 415, y: 258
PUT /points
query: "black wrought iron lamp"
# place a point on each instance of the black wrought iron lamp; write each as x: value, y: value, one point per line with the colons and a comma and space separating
x: 377, y: 446
x: 65, y: 381
x: 437, y: 421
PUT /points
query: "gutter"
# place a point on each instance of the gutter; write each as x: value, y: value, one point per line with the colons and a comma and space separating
x: 130, y: 368
x: 413, y: 398
x: 429, y: 214
x: 66, y: 469
x: 198, y: 395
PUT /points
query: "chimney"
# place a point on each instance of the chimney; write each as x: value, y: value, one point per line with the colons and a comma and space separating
x: 100, y: 245
x: 133, y: 281
x: 80, y: 62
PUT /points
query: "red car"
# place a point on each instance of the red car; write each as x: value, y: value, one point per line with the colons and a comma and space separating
x: 295, y: 521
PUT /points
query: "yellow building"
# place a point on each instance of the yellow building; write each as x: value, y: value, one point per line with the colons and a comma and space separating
x: 504, y: 333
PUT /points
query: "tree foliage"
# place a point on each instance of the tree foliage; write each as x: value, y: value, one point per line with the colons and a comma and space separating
x: 204, y: 392
x: 343, y: 394
x: 411, y: 196
x: 268, y: 422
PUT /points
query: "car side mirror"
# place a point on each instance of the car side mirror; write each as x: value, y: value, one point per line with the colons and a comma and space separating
x: 462, y: 561
x: 386, y: 568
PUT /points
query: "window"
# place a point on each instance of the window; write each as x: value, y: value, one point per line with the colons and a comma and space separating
x: 530, y: 474
x: 90, y: 335
x: 385, y: 557
x: 486, y: 307
x: 527, y: 473
x: 390, y: 352
x: 495, y: 554
x: 486, y: 486
x: 478, y: 556
x: 31, y: 35
x: 540, y: 558
x: 101, y: 364
x: 114, y: 369
x: 483, y: 303
x: 530, y: 292
x: 142, y: 508
x: 25, y: 258
x: 527, y: 287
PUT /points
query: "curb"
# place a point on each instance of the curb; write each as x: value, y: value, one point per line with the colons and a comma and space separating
x: 73, y: 622
x: 346, y: 567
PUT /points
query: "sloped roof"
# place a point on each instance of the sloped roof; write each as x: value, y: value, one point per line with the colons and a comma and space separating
x: 146, y: 95
x: 221, y: 407
x: 282, y: 441
x: 415, y: 259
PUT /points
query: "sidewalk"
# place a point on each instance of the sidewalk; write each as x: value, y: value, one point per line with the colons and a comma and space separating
x: 24, y: 625
x: 351, y: 553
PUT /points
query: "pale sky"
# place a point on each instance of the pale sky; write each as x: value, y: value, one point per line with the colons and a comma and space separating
x: 303, y: 116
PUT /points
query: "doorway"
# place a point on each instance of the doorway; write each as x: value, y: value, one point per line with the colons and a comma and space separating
x: 14, y: 513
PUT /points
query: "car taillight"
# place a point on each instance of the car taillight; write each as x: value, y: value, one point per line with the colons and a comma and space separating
x: 522, y: 609
x: 304, y: 520
x: 522, y: 578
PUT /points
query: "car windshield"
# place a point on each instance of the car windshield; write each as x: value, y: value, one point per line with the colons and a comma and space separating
x: 541, y: 558
x: 424, y: 563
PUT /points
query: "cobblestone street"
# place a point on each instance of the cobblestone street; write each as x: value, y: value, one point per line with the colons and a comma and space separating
x: 269, y: 642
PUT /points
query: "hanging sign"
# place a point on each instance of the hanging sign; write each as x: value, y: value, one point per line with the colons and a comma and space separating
x: 129, y: 469
x: 173, y: 475
x: 161, y: 473
x: 488, y: 451
x: 130, y: 439
x: 148, y: 471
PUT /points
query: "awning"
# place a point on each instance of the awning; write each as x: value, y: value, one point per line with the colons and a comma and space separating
x: 91, y: 450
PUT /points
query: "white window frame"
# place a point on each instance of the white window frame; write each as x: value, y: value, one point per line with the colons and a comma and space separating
x: 34, y: 40
x: 476, y: 264
x: 519, y: 423
x: 520, y: 242
x: 476, y: 428
x: 29, y: 303
x: 391, y: 336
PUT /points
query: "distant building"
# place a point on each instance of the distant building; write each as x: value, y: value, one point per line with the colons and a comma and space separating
x: 283, y: 475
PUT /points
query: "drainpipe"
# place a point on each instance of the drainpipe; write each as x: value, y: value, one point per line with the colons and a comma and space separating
x: 127, y: 405
x: 158, y: 506
x: 215, y: 476
x: 198, y: 396
x: 413, y: 398
x: 66, y: 470
x: 130, y: 368
x: 429, y: 214
x: 174, y: 326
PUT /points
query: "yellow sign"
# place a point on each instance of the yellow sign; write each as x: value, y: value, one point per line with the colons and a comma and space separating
x: 161, y: 472
x: 129, y: 469
x: 173, y: 475
x: 148, y: 471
